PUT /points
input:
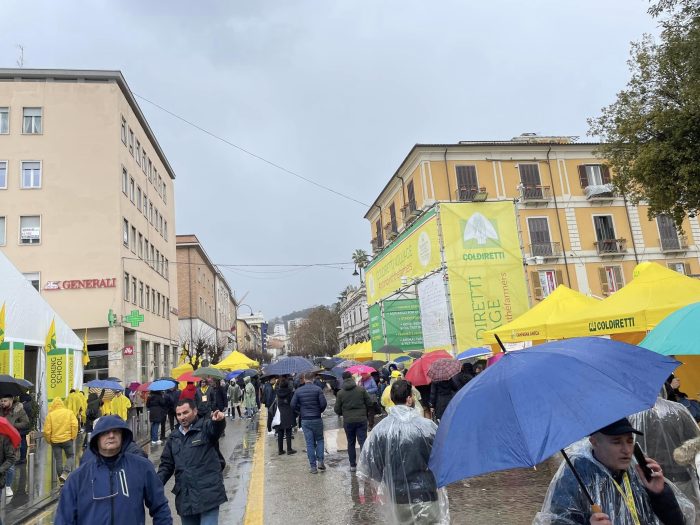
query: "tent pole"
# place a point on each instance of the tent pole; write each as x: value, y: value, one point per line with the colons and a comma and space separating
x: 594, y: 506
x: 500, y: 343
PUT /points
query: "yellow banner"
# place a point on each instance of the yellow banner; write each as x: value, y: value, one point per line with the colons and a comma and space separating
x: 71, y: 369
x: 415, y: 253
x: 484, y: 266
x: 56, y: 373
x: 18, y: 361
x: 5, y: 358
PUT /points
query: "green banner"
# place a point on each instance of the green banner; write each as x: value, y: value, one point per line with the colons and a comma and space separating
x: 402, y: 322
x: 376, y: 333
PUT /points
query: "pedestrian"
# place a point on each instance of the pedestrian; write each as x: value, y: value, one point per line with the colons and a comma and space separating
x: 74, y: 404
x: 137, y: 402
x: 284, y: 394
x: 121, y: 405
x: 395, y: 458
x: 172, y: 397
x: 604, y: 464
x: 192, y: 456
x: 15, y: 414
x: 206, y: 397
x: 114, y: 486
x: 93, y: 412
x: 269, y: 399
x: 249, y: 403
x: 30, y: 409
x: 129, y: 448
x: 60, y: 429
x: 189, y: 392
x: 353, y: 403
x: 387, y: 403
x: 309, y: 402
x: 157, y: 411
x: 465, y: 375
x: 370, y: 385
x: 8, y: 456
x: 235, y: 394
x: 441, y: 393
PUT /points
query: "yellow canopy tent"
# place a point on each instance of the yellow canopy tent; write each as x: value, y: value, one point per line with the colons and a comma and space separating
x: 358, y: 351
x: 347, y: 351
x: 533, y: 324
x: 235, y: 361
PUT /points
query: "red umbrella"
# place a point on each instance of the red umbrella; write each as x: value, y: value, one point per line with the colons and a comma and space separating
x: 444, y: 369
x: 188, y: 378
x: 6, y: 429
x: 143, y: 387
x: 418, y: 373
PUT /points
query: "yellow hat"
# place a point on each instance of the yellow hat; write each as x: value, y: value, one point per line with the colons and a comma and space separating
x: 396, y: 373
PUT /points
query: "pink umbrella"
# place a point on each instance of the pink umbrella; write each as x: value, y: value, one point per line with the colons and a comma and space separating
x: 361, y: 369
x: 494, y: 359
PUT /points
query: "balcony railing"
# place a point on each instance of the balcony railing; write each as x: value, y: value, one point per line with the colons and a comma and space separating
x: 611, y: 246
x: 545, y: 249
x: 676, y: 243
x: 535, y: 193
x: 409, y: 211
x: 467, y: 194
x: 377, y: 244
x: 390, y: 232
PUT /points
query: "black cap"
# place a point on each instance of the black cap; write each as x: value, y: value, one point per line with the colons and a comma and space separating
x: 619, y: 427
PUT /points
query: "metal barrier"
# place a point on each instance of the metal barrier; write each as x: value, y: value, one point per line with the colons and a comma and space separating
x: 30, y: 466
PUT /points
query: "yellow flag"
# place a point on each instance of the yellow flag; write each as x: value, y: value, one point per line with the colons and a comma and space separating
x: 86, y: 356
x: 51, y: 337
x: 2, y: 323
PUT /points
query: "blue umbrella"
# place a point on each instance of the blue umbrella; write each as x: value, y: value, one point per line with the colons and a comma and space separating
x: 162, y: 384
x: 104, y: 383
x: 540, y: 400
x: 402, y: 358
x: 289, y: 366
x: 677, y: 333
x: 474, y: 352
x: 233, y: 373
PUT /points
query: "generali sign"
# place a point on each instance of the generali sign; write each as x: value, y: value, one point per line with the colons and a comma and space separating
x: 78, y: 284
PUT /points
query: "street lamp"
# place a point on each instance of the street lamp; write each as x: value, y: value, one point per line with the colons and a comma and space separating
x: 355, y: 272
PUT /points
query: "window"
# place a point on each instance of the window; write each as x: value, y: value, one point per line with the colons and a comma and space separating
x: 679, y: 267
x: 158, y: 307
x: 125, y: 181
x: 148, y: 297
x: 155, y: 175
x: 132, y: 241
x: 138, y: 197
x: 145, y: 251
x: 3, y: 236
x: 166, y: 269
x: 144, y: 361
x: 138, y: 152
x: 31, y: 123
x: 3, y: 174
x: 131, y: 142
x: 593, y: 175
x: 126, y: 286
x: 411, y: 197
x: 530, y: 181
x: 140, y: 248
x: 150, y: 212
x: 157, y: 261
x: 545, y: 282
x: 4, y: 121
x: 467, y: 183
x: 160, y: 186
x: 605, y: 233
x: 140, y: 294
x: 153, y: 300
x: 31, y: 174
x: 611, y: 279
x: 143, y: 160
x: 392, y: 217
x: 33, y: 278
x: 150, y: 169
x: 145, y: 204
x: 668, y: 234
x: 30, y: 229
x: 156, y: 360
x: 167, y: 308
x: 132, y: 192
x: 133, y: 290
x: 378, y: 230
x: 125, y: 233
x: 155, y: 218
x: 152, y: 261
x: 540, y: 242
x: 124, y: 130
x: 165, y: 193
x: 165, y: 230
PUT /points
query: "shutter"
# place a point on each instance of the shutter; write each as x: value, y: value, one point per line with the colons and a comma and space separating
x: 536, y: 286
x: 558, y: 277
x: 603, y: 281
x: 686, y: 268
x: 619, y: 278
x: 605, y: 172
x: 583, y: 176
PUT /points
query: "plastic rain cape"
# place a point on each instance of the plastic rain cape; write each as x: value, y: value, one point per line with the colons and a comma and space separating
x: 394, y: 460
x: 565, y: 504
x: 666, y: 427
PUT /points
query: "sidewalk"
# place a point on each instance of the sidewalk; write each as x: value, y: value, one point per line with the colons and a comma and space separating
x: 35, y: 485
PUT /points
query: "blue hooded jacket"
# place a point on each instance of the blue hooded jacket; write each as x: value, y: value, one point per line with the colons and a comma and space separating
x: 98, y: 493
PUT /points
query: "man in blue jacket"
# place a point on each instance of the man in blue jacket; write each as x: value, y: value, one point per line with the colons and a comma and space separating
x: 309, y: 402
x: 114, y: 487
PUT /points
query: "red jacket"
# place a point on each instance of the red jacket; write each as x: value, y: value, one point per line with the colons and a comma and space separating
x: 189, y: 392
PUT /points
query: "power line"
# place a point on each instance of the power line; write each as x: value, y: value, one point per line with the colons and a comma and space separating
x: 248, y: 152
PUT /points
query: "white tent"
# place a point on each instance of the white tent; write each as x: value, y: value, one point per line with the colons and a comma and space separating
x: 27, y: 320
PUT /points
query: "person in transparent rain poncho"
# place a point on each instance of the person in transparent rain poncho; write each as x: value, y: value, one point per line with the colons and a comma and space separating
x: 605, y: 462
x: 395, y: 461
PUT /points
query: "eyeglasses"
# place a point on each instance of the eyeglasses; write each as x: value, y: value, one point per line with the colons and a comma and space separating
x: 98, y: 498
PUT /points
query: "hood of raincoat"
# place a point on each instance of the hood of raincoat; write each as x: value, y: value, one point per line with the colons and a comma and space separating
x: 246, y: 379
x: 56, y: 403
x: 349, y: 384
x: 106, y: 423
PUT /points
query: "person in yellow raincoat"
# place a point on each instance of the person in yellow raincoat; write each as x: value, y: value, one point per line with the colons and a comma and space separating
x: 121, y: 405
x: 75, y: 405
x: 107, y: 407
x: 386, y: 396
x: 60, y: 429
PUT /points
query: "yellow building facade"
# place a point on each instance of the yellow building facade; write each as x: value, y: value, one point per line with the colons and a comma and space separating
x: 573, y: 227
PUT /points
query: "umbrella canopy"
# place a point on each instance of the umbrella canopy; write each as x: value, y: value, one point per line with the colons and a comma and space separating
x: 11, y: 386
x: 377, y: 364
x: 188, y: 377
x: 143, y: 387
x: 473, y: 353
x: 677, y: 334
x: 347, y: 364
x: 415, y: 354
x: 162, y: 384
x: 104, y: 383
x: 403, y: 358
x: 389, y: 349
x: 540, y: 400
x: 444, y: 369
x: 329, y: 362
x: 233, y: 374
x: 360, y: 369
x: 7, y: 429
x: 134, y: 385
x: 115, y: 379
x: 289, y: 366
x: 207, y: 371
x: 418, y: 373
x: 249, y: 372
x: 167, y: 378
x: 24, y: 383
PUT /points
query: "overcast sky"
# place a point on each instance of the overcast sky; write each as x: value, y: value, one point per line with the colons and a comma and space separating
x: 337, y: 91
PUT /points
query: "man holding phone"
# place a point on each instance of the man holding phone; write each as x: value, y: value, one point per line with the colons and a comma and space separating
x: 622, y: 489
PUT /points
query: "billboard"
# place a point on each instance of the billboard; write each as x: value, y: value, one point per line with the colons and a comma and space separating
x: 434, y: 313
x: 414, y: 253
x: 485, y: 268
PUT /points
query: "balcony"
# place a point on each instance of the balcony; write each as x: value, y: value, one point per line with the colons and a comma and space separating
x: 535, y: 194
x: 546, y: 250
x: 599, y: 192
x: 674, y: 244
x: 409, y: 212
x: 470, y: 194
x: 377, y: 244
x: 390, y: 232
x: 607, y: 247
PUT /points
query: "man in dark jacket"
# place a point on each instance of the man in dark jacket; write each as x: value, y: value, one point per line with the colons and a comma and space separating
x: 192, y: 456
x: 310, y: 403
x: 115, y: 486
x: 353, y: 403
x: 173, y: 396
x: 269, y: 398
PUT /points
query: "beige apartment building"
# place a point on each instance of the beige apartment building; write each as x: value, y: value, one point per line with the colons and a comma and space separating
x: 87, y: 213
x: 207, y: 304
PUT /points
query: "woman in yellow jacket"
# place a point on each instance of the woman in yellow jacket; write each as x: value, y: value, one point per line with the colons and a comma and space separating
x: 120, y: 405
x: 386, y: 395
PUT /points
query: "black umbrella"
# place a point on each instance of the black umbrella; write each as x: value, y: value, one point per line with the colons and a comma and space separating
x: 389, y: 349
x: 24, y: 383
x: 114, y: 379
x: 416, y: 354
x: 376, y: 364
x: 289, y: 366
x: 329, y: 362
x: 9, y: 386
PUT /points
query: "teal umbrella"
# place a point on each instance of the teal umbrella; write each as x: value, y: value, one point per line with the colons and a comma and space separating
x: 677, y: 334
